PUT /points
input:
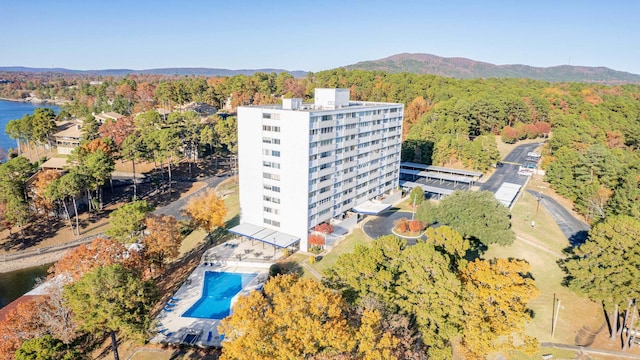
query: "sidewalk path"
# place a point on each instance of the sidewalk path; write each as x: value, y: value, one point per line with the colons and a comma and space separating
x: 616, y: 354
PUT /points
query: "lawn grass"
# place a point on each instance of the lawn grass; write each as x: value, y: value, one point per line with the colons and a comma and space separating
x: 357, y: 237
x: 232, y: 200
x: 405, y: 205
x: 546, y: 230
x: 576, y: 311
x: 192, y: 241
x: 557, y: 354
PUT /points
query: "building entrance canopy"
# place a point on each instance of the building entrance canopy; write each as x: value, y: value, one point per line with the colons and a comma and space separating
x: 269, y: 236
x: 371, y: 208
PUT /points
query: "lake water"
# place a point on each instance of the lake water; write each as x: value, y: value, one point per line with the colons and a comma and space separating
x: 10, y: 110
x: 16, y: 283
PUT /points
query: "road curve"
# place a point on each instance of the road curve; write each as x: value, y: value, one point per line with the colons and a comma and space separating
x: 574, y: 229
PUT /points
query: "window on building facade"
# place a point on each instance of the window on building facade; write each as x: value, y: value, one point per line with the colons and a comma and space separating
x: 271, y: 187
x: 272, y: 199
x: 266, y: 175
x: 271, y: 222
x: 270, y: 128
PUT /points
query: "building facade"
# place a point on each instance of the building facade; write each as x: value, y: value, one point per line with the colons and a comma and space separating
x: 303, y: 164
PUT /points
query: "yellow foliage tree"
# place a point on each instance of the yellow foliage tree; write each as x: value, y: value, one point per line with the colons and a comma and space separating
x: 293, y: 319
x: 496, y: 307
x: 207, y: 211
x: 373, y: 342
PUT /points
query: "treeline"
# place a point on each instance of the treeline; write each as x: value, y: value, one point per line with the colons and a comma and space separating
x: 149, y: 137
x: 590, y: 158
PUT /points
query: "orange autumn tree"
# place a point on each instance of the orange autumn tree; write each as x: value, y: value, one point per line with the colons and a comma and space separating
x: 207, y: 211
x: 324, y: 228
x: 41, y: 201
x: 164, y: 239
x: 316, y: 240
x: 36, y: 317
x: 100, y: 252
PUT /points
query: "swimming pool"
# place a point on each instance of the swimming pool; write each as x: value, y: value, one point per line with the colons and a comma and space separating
x: 218, y: 290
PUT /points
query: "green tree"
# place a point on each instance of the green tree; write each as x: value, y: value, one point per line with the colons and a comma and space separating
x: 436, y: 307
x: 98, y: 167
x: 208, y: 137
x: 128, y: 221
x: 90, y: 128
x: 13, y: 175
x: 416, y: 197
x: 426, y: 212
x: 46, y: 348
x: 368, y: 271
x: 606, y: 266
x: 68, y: 185
x: 477, y: 215
x: 227, y: 130
x: 110, y: 299
x: 133, y: 148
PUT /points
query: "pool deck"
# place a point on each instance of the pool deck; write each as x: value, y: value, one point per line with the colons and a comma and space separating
x: 173, y: 328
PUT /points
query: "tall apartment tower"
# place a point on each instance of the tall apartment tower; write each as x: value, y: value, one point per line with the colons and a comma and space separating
x: 303, y: 164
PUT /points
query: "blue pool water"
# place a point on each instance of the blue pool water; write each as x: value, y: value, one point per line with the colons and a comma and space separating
x: 218, y: 290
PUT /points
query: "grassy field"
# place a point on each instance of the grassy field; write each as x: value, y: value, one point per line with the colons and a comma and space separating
x: 232, y: 200
x: 546, y: 230
x: 575, y: 311
x: 192, y: 241
x: 357, y: 237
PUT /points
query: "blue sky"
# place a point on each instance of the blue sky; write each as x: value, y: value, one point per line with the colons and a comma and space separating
x: 314, y: 35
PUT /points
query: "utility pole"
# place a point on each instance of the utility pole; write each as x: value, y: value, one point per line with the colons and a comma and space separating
x: 540, y: 195
x: 555, y: 320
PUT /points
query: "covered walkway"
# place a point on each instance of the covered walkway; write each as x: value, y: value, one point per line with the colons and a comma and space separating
x: 370, y: 207
x: 271, y: 237
x: 408, y: 185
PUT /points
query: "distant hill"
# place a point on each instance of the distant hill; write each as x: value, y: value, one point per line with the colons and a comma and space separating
x: 165, y: 71
x: 463, y: 68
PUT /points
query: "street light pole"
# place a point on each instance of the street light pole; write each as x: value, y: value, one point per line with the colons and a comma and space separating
x: 414, y: 207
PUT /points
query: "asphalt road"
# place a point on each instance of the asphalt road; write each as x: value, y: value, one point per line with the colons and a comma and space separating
x: 508, y: 172
x: 575, y: 230
x: 382, y: 224
x: 175, y: 208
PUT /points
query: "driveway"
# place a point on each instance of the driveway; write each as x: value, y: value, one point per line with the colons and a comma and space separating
x: 382, y: 224
x: 508, y: 172
x: 175, y: 208
x: 575, y: 230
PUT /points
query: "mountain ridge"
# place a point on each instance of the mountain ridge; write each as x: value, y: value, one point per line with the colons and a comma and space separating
x: 464, y: 68
x: 180, y: 71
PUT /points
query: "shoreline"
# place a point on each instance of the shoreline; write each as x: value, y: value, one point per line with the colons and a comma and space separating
x: 32, y: 261
x: 33, y: 100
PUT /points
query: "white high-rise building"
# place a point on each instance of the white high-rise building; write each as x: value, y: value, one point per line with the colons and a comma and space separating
x: 303, y: 164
